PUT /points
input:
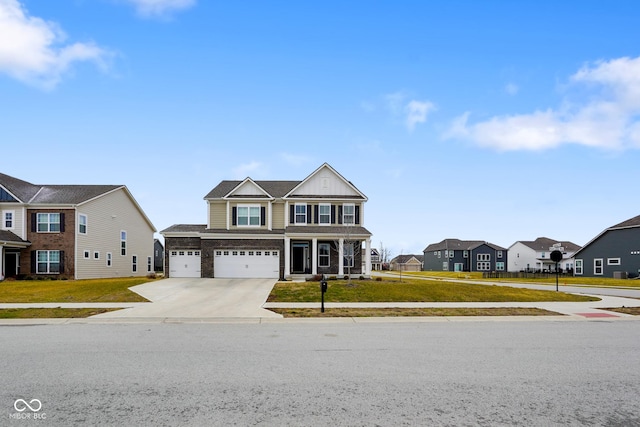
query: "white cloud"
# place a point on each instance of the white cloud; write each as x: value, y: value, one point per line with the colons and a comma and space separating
x: 609, y: 119
x: 160, y: 8
x: 416, y: 112
x: 30, y: 49
x: 413, y: 112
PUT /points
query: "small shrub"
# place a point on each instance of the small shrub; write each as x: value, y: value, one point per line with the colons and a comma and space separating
x: 151, y: 276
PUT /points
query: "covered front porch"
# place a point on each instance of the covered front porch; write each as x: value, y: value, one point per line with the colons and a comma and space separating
x: 337, y: 256
x: 10, y: 251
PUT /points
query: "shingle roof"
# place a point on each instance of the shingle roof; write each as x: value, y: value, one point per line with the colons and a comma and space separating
x: 8, y: 236
x: 274, y: 188
x: 403, y: 259
x: 633, y: 222
x: 460, y: 245
x: 544, y: 243
x: 53, y: 194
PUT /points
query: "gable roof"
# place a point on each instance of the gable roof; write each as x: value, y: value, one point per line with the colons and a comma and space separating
x: 403, y: 259
x: 542, y: 244
x: 22, y: 190
x: 460, y: 245
x: 630, y: 223
x: 9, y: 237
x: 326, y: 166
x: 276, y: 189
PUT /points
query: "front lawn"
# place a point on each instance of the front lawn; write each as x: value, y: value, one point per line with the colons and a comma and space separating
x: 412, y: 290
x: 93, y: 290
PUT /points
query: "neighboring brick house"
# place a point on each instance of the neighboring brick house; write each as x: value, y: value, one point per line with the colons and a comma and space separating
x: 464, y: 255
x: 275, y: 229
x: 613, y: 253
x: 72, y: 231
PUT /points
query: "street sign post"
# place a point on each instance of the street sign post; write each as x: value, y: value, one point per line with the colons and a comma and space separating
x: 556, y: 256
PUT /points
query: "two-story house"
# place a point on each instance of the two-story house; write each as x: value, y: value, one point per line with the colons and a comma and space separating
x: 535, y: 255
x: 275, y: 229
x: 72, y: 231
x: 464, y: 255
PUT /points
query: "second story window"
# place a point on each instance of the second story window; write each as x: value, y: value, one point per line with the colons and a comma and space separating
x: 348, y: 214
x: 7, y: 220
x: 48, y: 222
x: 248, y: 216
x: 123, y: 243
x: 324, y: 214
x: 301, y: 214
x: 82, y: 224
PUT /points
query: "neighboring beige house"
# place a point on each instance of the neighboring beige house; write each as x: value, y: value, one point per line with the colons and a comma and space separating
x: 72, y: 231
x: 407, y: 263
x: 275, y: 229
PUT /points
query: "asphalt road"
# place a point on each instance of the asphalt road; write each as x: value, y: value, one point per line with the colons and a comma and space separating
x: 486, y: 373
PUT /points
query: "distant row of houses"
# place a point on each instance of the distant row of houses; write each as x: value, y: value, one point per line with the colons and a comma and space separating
x: 615, y: 252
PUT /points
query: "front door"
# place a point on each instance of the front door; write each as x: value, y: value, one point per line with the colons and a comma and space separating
x: 10, y: 264
x: 300, y: 261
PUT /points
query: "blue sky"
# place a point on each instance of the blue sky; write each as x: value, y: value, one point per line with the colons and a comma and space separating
x: 478, y: 120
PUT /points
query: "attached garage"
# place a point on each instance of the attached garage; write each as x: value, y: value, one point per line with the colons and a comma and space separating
x: 184, y: 263
x: 246, y: 264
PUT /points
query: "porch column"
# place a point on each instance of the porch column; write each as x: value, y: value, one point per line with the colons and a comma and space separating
x: 287, y: 257
x: 314, y: 256
x: 1, y: 262
x: 341, y: 257
x: 367, y: 268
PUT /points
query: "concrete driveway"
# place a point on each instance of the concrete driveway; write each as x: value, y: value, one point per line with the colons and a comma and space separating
x: 200, y: 298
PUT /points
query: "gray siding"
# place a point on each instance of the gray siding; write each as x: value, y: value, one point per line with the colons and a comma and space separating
x: 623, y: 244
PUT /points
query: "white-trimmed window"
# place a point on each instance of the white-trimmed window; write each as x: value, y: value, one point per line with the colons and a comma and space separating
x: 324, y: 252
x: 483, y: 266
x: 48, y: 262
x: 324, y: 214
x: 465, y: 254
x: 349, y: 214
x: 613, y: 261
x: 499, y: 266
x: 598, y: 269
x: 248, y: 215
x: 87, y: 254
x: 445, y: 266
x: 82, y: 224
x: 149, y: 265
x: 484, y: 257
x: 300, y: 214
x: 123, y: 243
x: 109, y: 259
x: 134, y: 263
x: 499, y: 254
x: 7, y: 219
x: 96, y: 255
x: 48, y: 222
x: 578, y: 270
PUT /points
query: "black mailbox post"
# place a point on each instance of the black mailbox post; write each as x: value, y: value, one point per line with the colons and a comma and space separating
x: 323, y: 289
x: 556, y: 256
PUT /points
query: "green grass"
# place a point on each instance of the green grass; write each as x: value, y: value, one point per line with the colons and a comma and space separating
x: 412, y: 290
x: 412, y: 312
x: 551, y: 280
x: 94, y: 290
x: 51, y: 313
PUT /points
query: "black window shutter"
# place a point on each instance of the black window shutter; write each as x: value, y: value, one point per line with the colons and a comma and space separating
x: 263, y: 215
x: 333, y: 214
x: 33, y: 262
x: 34, y: 223
x: 234, y: 212
x: 357, y: 214
x: 315, y: 214
x: 61, y: 261
x: 62, y: 222
x: 292, y: 214
x: 309, y: 213
x: 339, y: 214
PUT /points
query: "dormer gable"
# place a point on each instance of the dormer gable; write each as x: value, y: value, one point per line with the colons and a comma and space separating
x: 248, y: 189
x: 325, y: 182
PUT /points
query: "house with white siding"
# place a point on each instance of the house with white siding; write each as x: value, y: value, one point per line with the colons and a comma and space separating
x: 72, y: 231
x: 535, y: 255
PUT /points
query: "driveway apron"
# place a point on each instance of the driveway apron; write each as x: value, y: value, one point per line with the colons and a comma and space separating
x: 200, y: 298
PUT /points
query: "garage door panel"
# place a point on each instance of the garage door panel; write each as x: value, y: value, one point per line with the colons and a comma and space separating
x: 246, y: 264
x: 184, y: 263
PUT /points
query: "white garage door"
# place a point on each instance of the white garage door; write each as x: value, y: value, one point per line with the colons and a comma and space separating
x: 184, y: 263
x: 246, y: 264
